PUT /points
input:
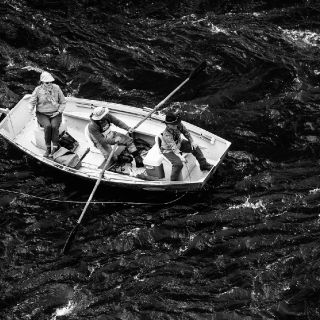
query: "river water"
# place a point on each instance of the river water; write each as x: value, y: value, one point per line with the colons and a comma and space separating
x: 245, y: 248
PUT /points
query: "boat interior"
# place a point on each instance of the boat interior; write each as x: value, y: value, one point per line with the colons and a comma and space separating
x: 21, y: 128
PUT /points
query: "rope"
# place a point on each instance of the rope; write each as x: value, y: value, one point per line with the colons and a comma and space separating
x: 93, y: 202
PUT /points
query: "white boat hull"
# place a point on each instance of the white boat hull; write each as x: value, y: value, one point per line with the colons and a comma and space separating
x: 20, y: 128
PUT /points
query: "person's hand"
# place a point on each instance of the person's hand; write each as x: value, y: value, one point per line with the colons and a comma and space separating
x: 31, y: 109
x: 130, y: 131
x: 179, y: 154
x: 183, y: 159
x: 194, y: 146
x: 55, y: 114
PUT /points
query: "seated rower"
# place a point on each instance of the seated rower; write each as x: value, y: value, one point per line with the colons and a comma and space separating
x: 172, y: 145
x: 102, y: 136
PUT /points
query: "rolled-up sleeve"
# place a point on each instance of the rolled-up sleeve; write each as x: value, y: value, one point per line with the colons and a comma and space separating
x: 118, y: 122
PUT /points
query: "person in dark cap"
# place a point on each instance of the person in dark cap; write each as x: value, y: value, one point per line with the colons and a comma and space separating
x: 172, y: 144
x: 102, y: 136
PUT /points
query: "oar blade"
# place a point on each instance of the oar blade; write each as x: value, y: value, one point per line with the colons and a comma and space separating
x: 198, y: 69
x: 71, y: 237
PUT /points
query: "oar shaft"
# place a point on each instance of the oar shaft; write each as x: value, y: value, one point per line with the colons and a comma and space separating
x: 97, y: 183
x: 192, y: 74
x: 75, y: 229
x: 160, y: 104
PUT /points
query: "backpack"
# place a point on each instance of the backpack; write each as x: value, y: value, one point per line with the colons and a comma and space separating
x: 67, y: 141
x: 67, y: 158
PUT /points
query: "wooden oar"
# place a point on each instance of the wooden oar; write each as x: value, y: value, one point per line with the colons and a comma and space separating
x: 192, y: 74
x: 76, y: 227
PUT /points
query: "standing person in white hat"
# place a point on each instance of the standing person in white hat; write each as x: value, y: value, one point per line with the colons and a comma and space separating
x: 102, y: 135
x: 49, y: 102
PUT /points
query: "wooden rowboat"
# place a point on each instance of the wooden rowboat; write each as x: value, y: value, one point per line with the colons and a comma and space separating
x: 21, y: 129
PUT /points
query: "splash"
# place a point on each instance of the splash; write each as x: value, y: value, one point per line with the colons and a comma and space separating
x: 247, y: 204
x: 93, y: 268
x: 64, y: 311
x: 301, y: 37
x: 215, y: 29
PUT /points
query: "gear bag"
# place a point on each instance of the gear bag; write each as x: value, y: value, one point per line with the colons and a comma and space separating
x: 67, y: 141
x: 67, y: 158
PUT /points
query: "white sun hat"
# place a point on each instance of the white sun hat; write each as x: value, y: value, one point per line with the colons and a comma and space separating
x: 99, y: 112
x: 46, y: 77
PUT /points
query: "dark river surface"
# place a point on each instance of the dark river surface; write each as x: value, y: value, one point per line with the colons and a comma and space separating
x: 245, y: 248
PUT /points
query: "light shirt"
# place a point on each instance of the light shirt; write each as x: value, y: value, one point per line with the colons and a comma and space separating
x: 48, y: 101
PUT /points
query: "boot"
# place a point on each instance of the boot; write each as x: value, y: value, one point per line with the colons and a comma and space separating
x: 124, y: 158
x: 205, y: 166
x: 139, y: 161
x: 54, y: 149
x: 47, y: 154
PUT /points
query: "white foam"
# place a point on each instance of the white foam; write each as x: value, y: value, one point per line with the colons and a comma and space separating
x: 64, y: 310
x: 215, y: 29
x: 247, y: 204
x: 314, y: 191
x: 300, y: 37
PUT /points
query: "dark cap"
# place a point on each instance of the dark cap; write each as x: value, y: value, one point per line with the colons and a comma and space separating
x: 171, y: 118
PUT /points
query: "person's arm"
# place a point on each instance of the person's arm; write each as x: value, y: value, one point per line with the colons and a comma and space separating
x: 187, y: 134
x: 61, y: 100
x: 33, y: 99
x: 118, y: 122
x: 95, y: 132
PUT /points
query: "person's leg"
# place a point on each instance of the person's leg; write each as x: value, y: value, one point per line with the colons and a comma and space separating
x: 105, y: 150
x: 186, y: 147
x: 177, y: 165
x: 55, y: 124
x: 124, y: 140
x: 204, y: 165
x: 44, y: 121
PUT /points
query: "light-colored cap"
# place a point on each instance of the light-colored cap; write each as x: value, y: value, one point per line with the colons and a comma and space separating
x: 46, y: 77
x: 99, y: 112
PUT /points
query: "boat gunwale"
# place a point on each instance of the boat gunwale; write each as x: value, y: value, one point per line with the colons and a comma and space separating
x: 140, y: 113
